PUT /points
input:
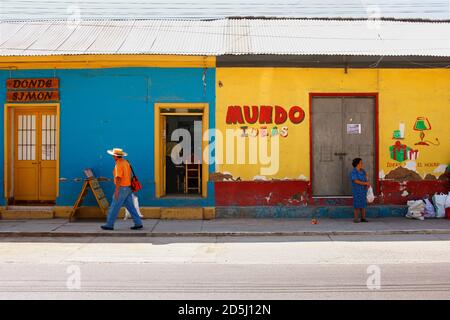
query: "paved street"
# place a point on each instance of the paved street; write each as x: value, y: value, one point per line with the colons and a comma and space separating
x: 314, y: 267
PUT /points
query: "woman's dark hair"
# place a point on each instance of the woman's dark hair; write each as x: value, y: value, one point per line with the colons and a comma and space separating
x: 355, y: 162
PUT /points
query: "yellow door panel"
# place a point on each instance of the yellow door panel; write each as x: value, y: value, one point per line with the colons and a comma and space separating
x: 47, y: 187
x: 47, y: 156
x: 25, y: 183
x: 26, y: 165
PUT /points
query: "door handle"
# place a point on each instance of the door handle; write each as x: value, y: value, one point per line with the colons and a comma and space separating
x: 340, y: 154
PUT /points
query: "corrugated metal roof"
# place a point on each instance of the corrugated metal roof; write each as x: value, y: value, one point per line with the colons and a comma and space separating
x: 225, y: 36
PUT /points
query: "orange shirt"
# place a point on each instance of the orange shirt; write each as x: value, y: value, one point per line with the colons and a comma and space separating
x: 122, y: 170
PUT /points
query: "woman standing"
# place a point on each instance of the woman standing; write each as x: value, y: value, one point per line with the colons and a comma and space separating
x: 360, y: 184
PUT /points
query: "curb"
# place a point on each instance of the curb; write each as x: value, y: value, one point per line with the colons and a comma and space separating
x: 55, y: 234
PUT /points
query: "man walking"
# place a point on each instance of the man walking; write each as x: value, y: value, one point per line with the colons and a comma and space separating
x: 122, y: 193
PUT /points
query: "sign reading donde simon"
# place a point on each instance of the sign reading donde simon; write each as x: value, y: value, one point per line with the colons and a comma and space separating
x: 32, y: 90
x: 271, y: 116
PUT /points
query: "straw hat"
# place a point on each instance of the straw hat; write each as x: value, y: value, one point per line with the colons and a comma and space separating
x: 117, y: 152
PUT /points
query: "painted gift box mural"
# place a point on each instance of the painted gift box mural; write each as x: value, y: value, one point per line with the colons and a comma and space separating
x: 401, y: 152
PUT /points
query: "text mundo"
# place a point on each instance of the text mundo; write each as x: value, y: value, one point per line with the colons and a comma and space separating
x: 230, y: 148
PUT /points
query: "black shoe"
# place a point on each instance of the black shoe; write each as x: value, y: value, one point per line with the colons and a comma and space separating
x: 106, y: 228
x: 364, y: 220
x: 136, y: 227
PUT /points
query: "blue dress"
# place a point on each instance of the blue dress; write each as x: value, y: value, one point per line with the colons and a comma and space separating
x: 359, y: 191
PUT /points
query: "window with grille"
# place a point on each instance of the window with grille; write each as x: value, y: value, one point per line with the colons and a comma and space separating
x: 48, y: 137
x: 26, y: 146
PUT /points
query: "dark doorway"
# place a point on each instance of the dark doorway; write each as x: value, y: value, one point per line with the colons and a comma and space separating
x: 183, y: 178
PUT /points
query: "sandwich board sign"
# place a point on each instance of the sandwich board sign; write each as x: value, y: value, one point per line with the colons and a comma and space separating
x: 91, y: 182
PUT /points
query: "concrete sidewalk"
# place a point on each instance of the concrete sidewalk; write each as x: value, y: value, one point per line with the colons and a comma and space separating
x: 223, y: 227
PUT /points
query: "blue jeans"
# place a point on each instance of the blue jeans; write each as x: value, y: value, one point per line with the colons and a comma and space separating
x: 124, y: 199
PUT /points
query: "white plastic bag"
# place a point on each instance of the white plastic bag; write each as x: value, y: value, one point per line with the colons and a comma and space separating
x: 429, y: 209
x: 439, y: 203
x: 136, y: 205
x: 370, y: 195
x: 447, y: 201
x: 416, y: 209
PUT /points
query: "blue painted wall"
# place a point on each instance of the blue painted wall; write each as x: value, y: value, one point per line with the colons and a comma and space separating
x: 106, y: 108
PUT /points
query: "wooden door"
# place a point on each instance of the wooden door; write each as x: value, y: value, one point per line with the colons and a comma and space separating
x: 47, y: 156
x: 342, y: 129
x: 26, y: 163
x: 35, y: 155
x: 361, y: 111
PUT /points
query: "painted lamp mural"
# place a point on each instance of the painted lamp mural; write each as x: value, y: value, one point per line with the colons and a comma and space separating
x: 423, y: 124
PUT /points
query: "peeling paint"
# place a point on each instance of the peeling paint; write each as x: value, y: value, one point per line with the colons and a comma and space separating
x: 403, y: 174
x: 440, y: 169
x: 411, y: 165
x: 395, y: 192
x: 268, y: 198
x: 256, y: 178
x: 429, y: 176
x: 218, y: 176
x: 266, y: 193
x: 204, y: 80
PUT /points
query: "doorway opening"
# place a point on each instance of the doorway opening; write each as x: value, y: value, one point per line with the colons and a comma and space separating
x: 31, y: 154
x: 183, y: 178
x: 343, y: 127
x: 185, y: 175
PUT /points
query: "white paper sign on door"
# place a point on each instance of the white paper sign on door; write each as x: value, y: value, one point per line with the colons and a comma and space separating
x: 353, y: 128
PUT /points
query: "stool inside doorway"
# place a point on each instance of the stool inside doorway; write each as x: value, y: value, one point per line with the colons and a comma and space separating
x: 192, y: 178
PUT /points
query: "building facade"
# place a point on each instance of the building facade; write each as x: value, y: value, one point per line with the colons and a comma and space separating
x: 263, y: 135
x: 378, y: 115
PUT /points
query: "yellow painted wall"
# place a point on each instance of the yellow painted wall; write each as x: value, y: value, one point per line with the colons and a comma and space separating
x: 404, y: 94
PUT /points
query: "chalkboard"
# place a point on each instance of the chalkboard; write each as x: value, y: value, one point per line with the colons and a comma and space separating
x: 91, y: 182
